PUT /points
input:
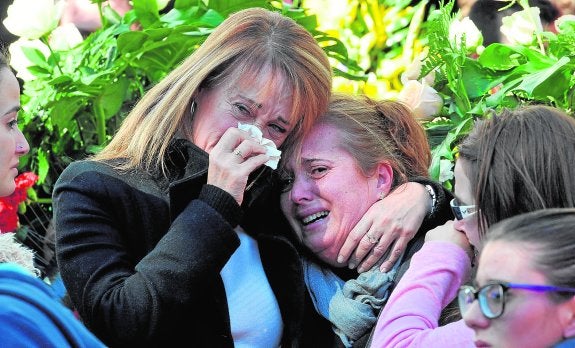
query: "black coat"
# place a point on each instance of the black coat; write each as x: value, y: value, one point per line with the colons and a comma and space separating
x: 141, y: 256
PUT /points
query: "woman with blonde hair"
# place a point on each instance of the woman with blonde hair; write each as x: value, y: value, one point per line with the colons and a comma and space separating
x: 155, y: 233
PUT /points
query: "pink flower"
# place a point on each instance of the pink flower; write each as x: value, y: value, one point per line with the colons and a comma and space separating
x: 423, y: 100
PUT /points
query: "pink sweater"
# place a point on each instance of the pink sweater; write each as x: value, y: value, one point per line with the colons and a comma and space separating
x: 410, y: 317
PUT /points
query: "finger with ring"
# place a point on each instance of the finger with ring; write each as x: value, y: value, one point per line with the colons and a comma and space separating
x: 372, y: 239
x: 238, y: 153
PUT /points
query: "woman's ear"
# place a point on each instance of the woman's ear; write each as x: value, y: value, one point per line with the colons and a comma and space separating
x: 568, y: 318
x: 384, y: 178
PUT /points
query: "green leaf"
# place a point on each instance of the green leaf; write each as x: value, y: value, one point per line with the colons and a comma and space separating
x: 36, y: 56
x: 39, y: 71
x: 111, y: 15
x: 146, y: 11
x: 550, y: 82
x: 212, y: 18
x: 61, y: 80
x: 131, y: 41
x: 43, y: 165
x: 477, y: 79
x: 112, y: 98
x: 177, y: 17
x: 445, y: 149
x: 63, y: 112
x: 347, y: 75
x: 500, y: 57
x: 183, y: 4
x: 226, y: 7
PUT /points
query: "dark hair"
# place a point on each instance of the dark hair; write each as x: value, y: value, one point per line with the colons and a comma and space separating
x: 487, y: 14
x: 4, y: 58
x: 549, y: 235
x: 520, y: 161
x: 373, y: 130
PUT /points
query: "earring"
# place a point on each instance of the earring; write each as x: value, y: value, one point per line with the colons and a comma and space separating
x: 381, y: 195
x: 193, y: 108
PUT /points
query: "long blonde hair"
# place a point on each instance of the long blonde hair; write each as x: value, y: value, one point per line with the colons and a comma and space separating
x: 245, y: 43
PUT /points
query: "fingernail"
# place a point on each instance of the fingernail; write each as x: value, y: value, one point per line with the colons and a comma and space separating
x: 351, y: 265
x: 383, y: 269
x: 360, y: 270
x: 340, y: 259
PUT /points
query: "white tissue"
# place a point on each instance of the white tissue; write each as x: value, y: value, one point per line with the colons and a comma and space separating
x: 271, y: 149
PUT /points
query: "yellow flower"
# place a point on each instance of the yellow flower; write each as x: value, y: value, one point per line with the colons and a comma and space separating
x: 32, y: 19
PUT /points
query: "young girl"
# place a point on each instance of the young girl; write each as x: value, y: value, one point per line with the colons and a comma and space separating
x: 31, y: 315
x: 515, y: 162
x: 525, y: 284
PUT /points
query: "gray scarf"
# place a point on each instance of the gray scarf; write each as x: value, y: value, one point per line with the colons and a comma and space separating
x: 353, y: 306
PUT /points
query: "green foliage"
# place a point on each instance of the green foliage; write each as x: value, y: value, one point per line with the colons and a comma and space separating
x: 501, y: 76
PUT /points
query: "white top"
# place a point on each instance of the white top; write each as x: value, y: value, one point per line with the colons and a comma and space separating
x: 255, y: 316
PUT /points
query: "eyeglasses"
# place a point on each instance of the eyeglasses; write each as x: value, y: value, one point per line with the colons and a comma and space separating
x: 492, y: 296
x: 461, y: 211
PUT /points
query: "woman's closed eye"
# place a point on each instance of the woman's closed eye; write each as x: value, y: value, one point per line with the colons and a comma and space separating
x: 317, y: 172
x: 242, y: 110
x: 278, y: 129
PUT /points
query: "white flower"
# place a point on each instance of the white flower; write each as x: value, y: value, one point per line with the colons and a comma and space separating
x: 423, y: 100
x: 65, y: 37
x: 465, y: 27
x: 20, y: 62
x: 31, y: 19
x: 445, y: 170
x: 563, y: 21
x: 162, y: 4
x: 519, y: 28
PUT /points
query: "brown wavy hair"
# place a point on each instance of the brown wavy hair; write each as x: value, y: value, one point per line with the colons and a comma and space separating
x: 519, y: 161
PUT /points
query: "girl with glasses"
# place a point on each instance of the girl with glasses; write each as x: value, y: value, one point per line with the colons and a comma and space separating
x: 514, y: 162
x: 525, y: 282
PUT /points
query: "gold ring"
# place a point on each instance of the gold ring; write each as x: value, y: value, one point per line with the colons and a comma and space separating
x: 238, y: 153
x: 371, y: 239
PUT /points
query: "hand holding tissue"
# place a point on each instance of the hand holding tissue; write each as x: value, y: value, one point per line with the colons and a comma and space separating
x: 271, y: 149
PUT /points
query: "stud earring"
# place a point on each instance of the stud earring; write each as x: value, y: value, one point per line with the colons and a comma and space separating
x: 381, y: 195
